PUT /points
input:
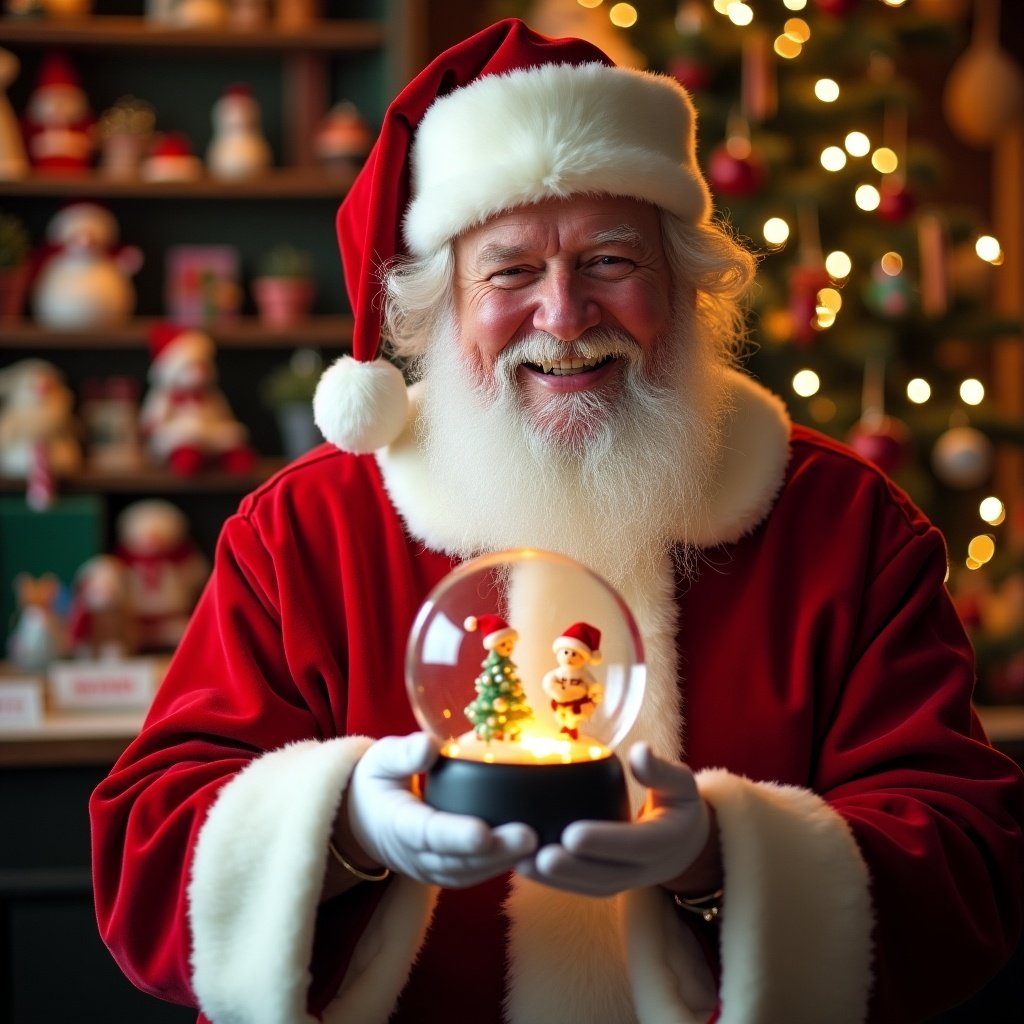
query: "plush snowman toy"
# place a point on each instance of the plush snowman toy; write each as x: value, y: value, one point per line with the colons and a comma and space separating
x: 238, y: 148
x: 84, y: 283
x: 165, y: 570
x: 185, y: 418
x: 36, y: 420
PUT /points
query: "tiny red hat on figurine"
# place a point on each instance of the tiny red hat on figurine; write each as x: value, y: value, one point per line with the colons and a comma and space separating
x: 582, y: 637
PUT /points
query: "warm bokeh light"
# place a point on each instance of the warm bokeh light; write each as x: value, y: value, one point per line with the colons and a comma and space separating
x: 794, y: 5
x: 776, y: 231
x: 786, y: 48
x: 822, y: 409
x: 867, y: 197
x: 806, y: 383
x: 992, y: 510
x: 797, y: 29
x: 833, y: 158
x: 827, y: 90
x: 972, y: 391
x: 830, y: 299
x: 981, y: 548
x: 824, y: 317
x: 623, y: 16
x: 740, y: 14
x: 722, y: 6
x: 838, y: 265
x: 857, y: 144
x: 894, y: 3
x: 590, y: 3
x: 891, y: 264
x: 884, y: 160
x: 919, y: 390
x: 988, y: 248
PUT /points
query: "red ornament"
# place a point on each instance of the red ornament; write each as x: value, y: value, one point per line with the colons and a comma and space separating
x: 837, y: 8
x: 883, y: 441
x: 895, y: 204
x: 732, y: 174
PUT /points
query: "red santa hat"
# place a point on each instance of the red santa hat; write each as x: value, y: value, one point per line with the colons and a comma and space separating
x: 582, y: 637
x: 57, y: 71
x: 171, y: 346
x: 171, y: 158
x: 493, y: 627
x: 507, y: 118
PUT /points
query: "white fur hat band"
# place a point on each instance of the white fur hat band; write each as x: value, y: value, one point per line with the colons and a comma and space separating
x: 551, y: 131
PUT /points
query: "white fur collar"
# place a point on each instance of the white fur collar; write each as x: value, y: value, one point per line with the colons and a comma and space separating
x: 755, y: 452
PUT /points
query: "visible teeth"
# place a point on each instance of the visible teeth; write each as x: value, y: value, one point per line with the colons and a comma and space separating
x: 565, y: 367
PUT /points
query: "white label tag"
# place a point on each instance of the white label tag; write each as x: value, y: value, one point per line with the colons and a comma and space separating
x: 21, y: 703
x: 102, y: 685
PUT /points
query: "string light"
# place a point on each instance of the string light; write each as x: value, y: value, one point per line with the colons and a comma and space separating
x: 797, y: 29
x: 891, y: 264
x: 786, y: 48
x: 830, y: 299
x: 838, y: 265
x: 981, y: 548
x: 992, y: 510
x: 722, y: 6
x: 867, y: 197
x: 857, y: 144
x: 919, y: 390
x: 776, y: 231
x: 833, y: 158
x: 827, y: 90
x: 740, y: 14
x: 590, y: 4
x: 884, y: 160
x: 794, y: 5
x: 972, y: 391
x: 623, y: 15
x: 806, y: 383
x: 988, y: 248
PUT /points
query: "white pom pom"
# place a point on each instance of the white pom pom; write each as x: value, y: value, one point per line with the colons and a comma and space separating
x: 360, y: 407
x: 470, y: 623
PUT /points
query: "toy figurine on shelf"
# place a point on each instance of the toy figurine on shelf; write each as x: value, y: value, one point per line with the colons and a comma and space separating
x: 37, y: 423
x: 13, y: 159
x: 238, y: 148
x: 101, y: 623
x: 574, y: 692
x: 500, y: 707
x: 60, y: 128
x: 171, y: 159
x: 185, y: 419
x: 126, y: 135
x: 38, y: 636
x: 84, y: 277
x: 165, y: 570
x: 343, y: 140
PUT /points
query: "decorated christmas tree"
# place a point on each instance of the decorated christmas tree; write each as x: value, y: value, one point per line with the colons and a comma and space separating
x: 873, y: 317
x: 500, y: 707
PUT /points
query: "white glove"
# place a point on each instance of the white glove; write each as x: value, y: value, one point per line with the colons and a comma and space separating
x: 601, y: 858
x: 395, y: 828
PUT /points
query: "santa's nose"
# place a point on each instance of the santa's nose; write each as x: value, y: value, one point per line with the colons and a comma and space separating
x: 566, y: 307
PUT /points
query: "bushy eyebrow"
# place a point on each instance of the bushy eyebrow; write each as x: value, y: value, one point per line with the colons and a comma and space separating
x: 624, y: 234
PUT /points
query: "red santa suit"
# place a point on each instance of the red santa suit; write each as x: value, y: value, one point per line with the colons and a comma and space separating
x: 814, y: 674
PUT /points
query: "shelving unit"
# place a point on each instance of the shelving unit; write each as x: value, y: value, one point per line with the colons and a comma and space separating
x: 362, y: 50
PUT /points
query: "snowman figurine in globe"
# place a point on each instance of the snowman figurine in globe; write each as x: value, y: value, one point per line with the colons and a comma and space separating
x: 520, y: 741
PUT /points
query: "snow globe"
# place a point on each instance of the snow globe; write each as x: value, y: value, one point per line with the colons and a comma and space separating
x: 528, y: 670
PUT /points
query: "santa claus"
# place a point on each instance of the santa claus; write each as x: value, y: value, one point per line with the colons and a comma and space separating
x: 185, y: 418
x: 60, y: 128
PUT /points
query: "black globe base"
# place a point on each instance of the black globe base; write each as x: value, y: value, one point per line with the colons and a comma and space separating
x: 545, y: 796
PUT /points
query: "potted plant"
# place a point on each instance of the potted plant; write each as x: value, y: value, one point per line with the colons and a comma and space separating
x: 14, y: 266
x: 288, y: 391
x: 285, y: 288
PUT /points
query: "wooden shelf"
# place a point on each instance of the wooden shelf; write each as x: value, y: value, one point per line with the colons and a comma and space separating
x: 276, y: 183
x: 156, y: 480
x: 246, y: 332
x: 116, y: 32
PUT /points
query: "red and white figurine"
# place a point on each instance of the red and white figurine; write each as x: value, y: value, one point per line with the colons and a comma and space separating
x: 238, y: 148
x: 60, y: 128
x: 185, y: 419
x: 573, y: 690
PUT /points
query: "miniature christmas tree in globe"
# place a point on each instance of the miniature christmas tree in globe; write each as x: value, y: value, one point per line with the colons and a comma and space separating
x: 500, y: 707
x: 530, y: 740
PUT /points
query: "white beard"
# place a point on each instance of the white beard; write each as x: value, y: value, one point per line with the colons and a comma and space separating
x: 613, y: 484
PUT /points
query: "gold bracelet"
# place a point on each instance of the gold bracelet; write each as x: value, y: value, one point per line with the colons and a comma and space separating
x: 708, y: 907
x: 354, y: 871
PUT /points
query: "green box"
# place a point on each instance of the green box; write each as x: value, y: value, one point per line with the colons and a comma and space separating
x: 58, y: 540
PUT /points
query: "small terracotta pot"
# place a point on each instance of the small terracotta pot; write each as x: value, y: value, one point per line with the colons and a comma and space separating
x: 283, y: 301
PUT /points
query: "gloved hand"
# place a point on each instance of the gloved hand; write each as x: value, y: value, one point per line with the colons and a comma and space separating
x: 600, y: 858
x: 395, y: 828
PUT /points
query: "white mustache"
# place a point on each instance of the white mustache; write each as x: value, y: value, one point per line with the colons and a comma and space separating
x: 543, y: 350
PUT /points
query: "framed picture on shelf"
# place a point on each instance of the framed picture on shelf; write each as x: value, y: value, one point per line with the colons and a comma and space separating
x: 203, y: 285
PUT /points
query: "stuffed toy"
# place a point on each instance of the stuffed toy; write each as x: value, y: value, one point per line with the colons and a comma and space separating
x: 185, y: 419
x: 165, y: 571
x: 37, y: 424
x: 38, y: 636
x: 101, y: 622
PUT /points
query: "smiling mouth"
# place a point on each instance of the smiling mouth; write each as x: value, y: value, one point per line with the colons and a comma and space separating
x: 569, y: 367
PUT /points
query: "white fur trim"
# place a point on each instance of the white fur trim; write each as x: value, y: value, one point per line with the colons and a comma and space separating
x: 797, y: 917
x: 256, y: 881
x: 552, y: 131
x: 755, y: 453
x: 359, y: 406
